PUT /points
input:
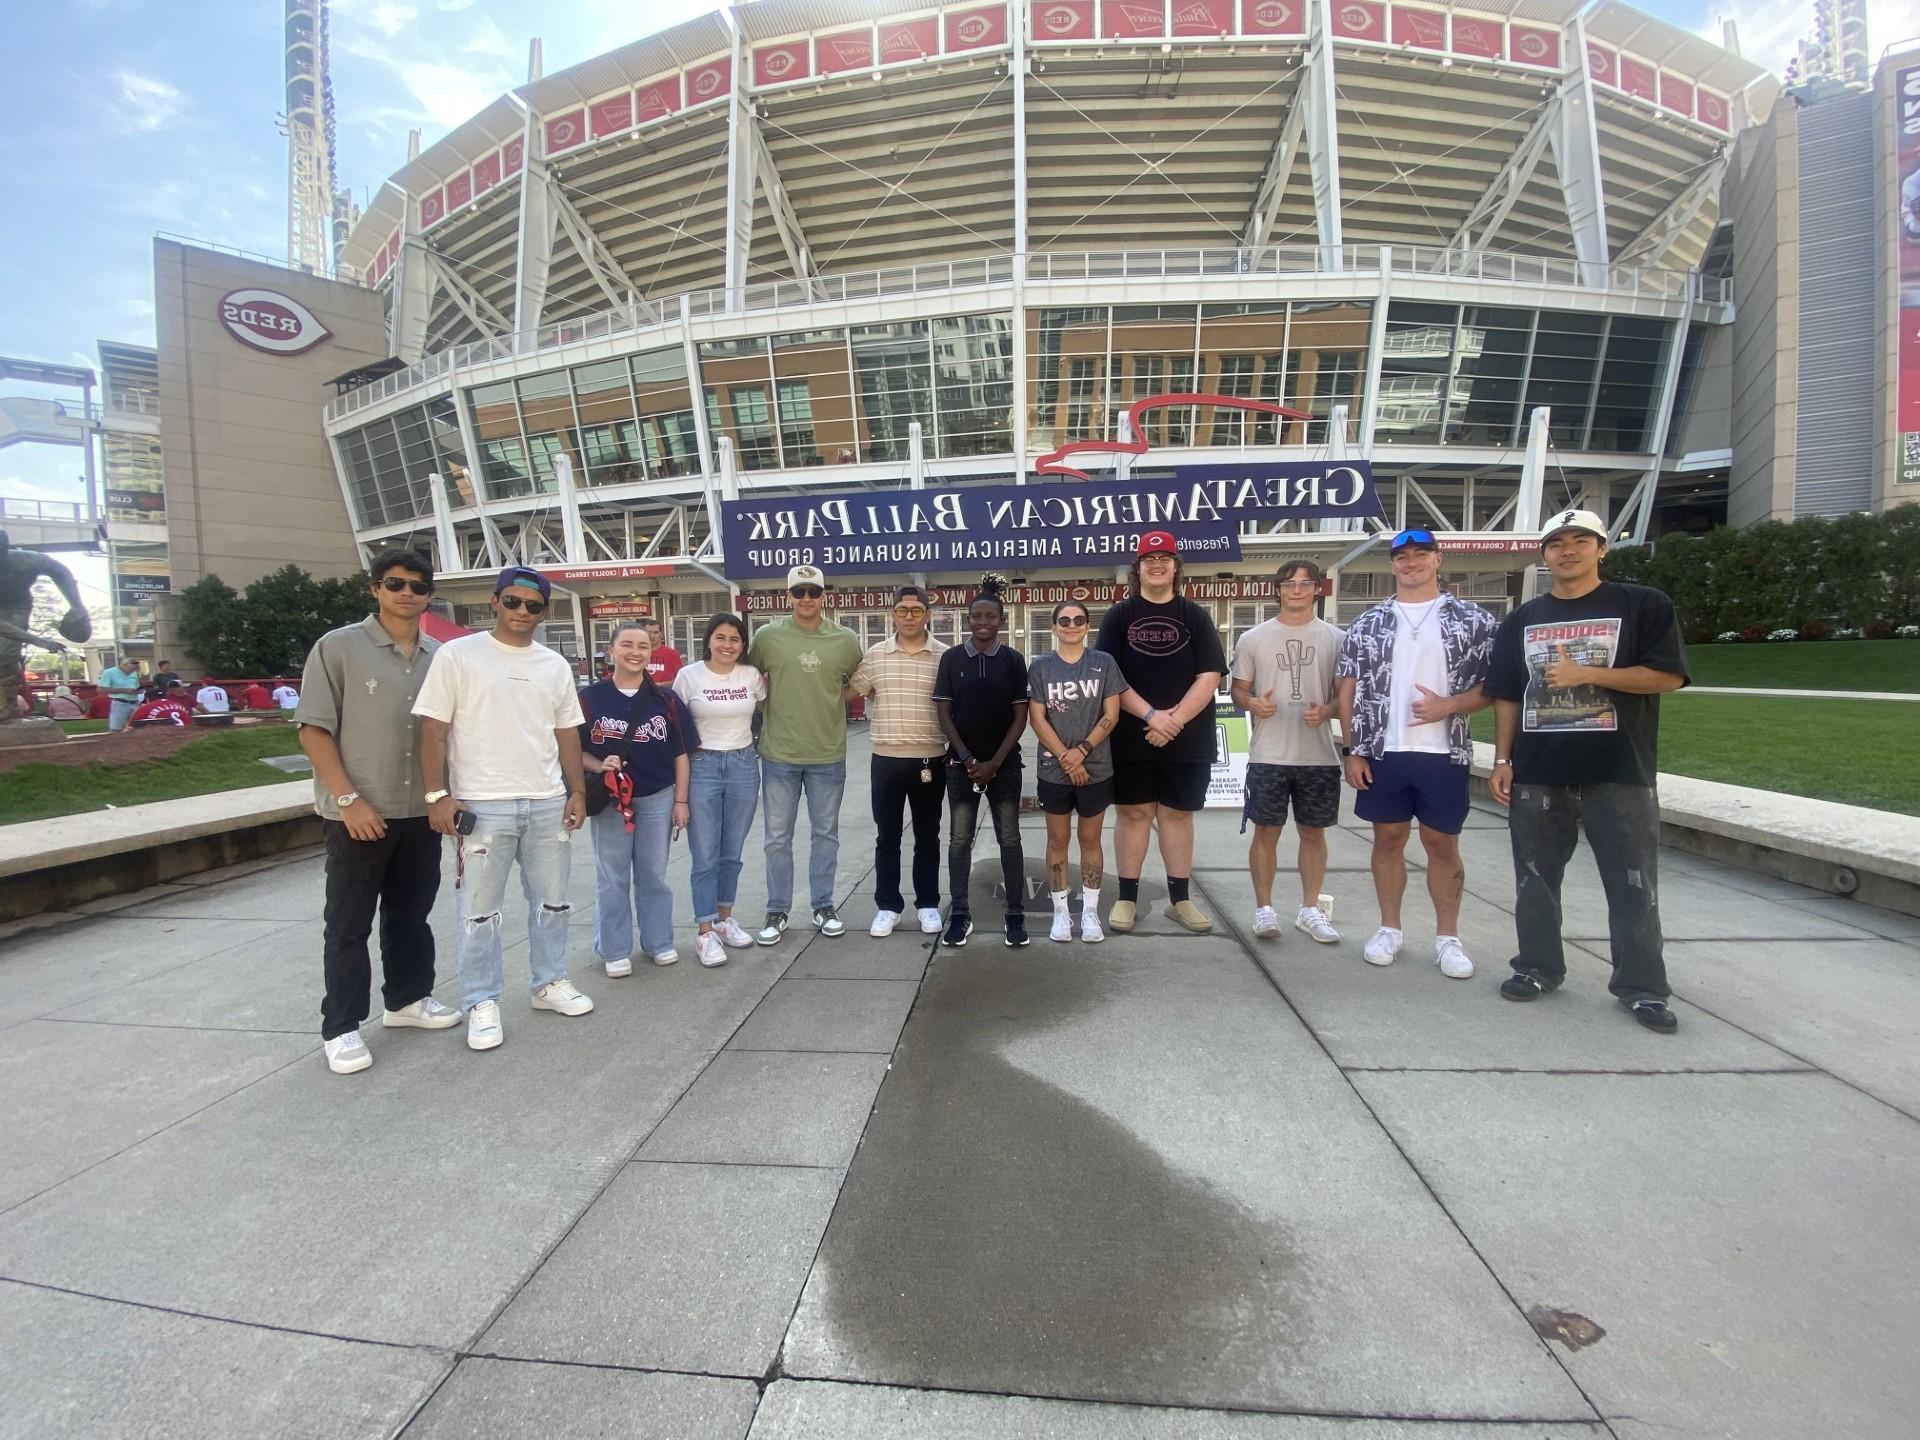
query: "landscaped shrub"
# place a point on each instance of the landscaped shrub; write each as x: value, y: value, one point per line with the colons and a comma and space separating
x: 1785, y: 632
x: 1815, y: 630
x: 1879, y: 630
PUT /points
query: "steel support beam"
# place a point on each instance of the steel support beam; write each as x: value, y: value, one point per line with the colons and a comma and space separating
x: 412, y: 288
x: 1641, y: 515
x: 1490, y: 211
x: 1017, y: 74
x: 1273, y: 181
x: 476, y: 307
x: 1323, y: 136
x: 1651, y: 245
x: 1576, y: 154
x: 533, y: 250
x: 614, y: 282
x: 793, y: 240
x: 740, y: 178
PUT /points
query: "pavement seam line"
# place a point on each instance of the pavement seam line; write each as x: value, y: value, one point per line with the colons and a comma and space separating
x: 1253, y: 958
x: 1571, y: 1070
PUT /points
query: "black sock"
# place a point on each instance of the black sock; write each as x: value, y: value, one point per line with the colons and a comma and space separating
x: 1176, y: 889
x: 1130, y: 889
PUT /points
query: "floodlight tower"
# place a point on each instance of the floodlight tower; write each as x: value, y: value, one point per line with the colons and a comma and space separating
x: 311, y: 202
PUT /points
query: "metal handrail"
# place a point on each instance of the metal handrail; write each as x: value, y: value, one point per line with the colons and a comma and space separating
x: 952, y: 276
x: 63, y: 511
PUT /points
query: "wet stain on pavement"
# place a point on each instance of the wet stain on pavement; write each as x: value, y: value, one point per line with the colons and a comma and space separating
x: 1573, y: 1330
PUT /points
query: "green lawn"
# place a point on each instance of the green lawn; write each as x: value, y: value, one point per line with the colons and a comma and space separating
x: 226, y: 760
x: 1843, y: 750
x: 1810, y: 665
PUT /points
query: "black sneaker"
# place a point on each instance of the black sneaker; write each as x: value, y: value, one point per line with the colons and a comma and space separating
x: 1653, y: 1014
x: 1016, y: 930
x: 1527, y: 985
x: 959, y: 927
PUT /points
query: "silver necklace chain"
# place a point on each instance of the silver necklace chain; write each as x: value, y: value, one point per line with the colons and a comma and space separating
x: 1415, y: 626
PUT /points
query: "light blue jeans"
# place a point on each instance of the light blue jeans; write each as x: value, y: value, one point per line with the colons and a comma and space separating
x: 119, y: 712
x: 724, y: 794
x: 781, y: 784
x: 630, y: 877
x: 531, y: 832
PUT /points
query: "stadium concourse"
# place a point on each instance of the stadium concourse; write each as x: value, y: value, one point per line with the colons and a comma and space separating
x: 1170, y: 1187
x: 796, y: 248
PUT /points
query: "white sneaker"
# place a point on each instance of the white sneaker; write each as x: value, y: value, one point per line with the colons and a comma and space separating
x: 1062, y: 931
x: 1452, y: 959
x: 711, y: 951
x: 348, y: 1053
x: 1090, y: 931
x: 930, y: 920
x: 883, y: 923
x: 668, y: 956
x: 732, y: 934
x: 1384, y: 945
x: 483, y: 1026
x: 1266, y: 922
x: 561, y: 997
x: 1314, y: 922
x: 617, y: 968
x: 423, y: 1014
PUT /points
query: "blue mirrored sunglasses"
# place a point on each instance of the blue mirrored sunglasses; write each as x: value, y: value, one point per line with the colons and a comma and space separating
x: 1414, y: 537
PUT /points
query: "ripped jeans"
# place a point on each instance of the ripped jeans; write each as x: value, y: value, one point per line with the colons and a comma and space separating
x: 1623, y: 831
x: 531, y: 832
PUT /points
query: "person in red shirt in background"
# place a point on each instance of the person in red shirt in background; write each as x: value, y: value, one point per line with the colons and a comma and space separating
x: 101, y: 706
x: 666, y: 662
x: 168, y: 709
x: 257, y: 697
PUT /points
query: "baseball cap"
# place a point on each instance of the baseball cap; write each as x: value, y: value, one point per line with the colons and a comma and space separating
x: 1412, y: 537
x: 1573, y: 520
x: 523, y: 575
x: 1157, y: 542
x: 806, y: 575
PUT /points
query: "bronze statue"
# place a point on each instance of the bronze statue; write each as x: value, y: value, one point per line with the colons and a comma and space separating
x: 18, y: 570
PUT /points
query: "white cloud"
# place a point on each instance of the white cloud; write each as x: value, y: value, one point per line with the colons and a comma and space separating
x: 450, y: 95
x: 488, y: 40
x: 453, y: 7
x: 144, y: 104
x: 389, y: 17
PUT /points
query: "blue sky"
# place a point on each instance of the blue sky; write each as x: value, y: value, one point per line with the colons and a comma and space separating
x: 121, y: 118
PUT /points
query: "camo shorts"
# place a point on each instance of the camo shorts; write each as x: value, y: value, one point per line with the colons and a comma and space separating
x: 1313, y: 790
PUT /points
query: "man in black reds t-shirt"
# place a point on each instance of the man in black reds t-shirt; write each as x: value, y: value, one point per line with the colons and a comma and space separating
x: 1576, y: 680
x: 1169, y: 650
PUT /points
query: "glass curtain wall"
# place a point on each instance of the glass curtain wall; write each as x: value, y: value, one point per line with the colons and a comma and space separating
x: 894, y: 367
x: 389, y: 460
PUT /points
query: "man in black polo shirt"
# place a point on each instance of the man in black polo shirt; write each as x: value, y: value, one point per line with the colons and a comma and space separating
x: 1576, y: 680
x: 980, y: 699
x: 1169, y: 650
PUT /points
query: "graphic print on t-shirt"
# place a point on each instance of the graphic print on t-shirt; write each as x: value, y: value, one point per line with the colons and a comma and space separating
x: 1295, y: 659
x: 613, y: 727
x: 1577, y: 707
x: 1157, y: 635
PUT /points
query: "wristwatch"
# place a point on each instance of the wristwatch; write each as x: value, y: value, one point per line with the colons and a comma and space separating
x: 343, y: 801
x: 1502, y: 760
x: 434, y: 797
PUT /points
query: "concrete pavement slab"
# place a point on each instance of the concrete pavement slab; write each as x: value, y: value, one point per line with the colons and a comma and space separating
x: 861, y: 1015
x: 522, y: 1400
x: 278, y: 1205
x: 274, y: 983
x: 771, y: 1108
x: 680, y: 1267
x: 822, y: 1410
x: 72, y: 1366
x: 902, y: 955
x: 1736, y: 1236
x: 1135, y: 1177
x: 78, y: 1093
x: 1889, y: 924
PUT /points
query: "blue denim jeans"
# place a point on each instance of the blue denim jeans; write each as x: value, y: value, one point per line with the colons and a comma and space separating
x: 119, y: 712
x: 504, y: 831
x: 782, y: 784
x: 724, y: 793
x: 630, y: 877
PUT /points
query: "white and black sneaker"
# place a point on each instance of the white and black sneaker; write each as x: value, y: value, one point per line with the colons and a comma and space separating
x: 959, y: 927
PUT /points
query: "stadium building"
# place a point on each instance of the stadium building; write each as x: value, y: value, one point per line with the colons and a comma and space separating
x: 819, y: 247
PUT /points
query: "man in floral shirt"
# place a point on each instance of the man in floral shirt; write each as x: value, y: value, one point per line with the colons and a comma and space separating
x: 1409, y: 675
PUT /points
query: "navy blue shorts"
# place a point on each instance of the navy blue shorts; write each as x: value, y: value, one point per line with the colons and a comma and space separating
x: 1415, y: 785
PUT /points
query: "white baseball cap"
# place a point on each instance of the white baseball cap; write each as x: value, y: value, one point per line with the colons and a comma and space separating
x: 806, y: 575
x: 1573, y: 520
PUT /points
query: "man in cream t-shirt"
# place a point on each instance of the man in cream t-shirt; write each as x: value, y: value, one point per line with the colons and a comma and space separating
x: 500, y: 740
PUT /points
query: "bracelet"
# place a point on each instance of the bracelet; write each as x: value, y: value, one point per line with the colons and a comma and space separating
x: 1501, y: 760
x: 1151, y: 712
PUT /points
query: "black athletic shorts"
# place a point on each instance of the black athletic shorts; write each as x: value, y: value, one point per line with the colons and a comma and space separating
x: 1313, y: 790
x: 1176, y: 784
x: 1094, y: 798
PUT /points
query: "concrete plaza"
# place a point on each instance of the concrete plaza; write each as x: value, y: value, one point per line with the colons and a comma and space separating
x: 1169, y: 1186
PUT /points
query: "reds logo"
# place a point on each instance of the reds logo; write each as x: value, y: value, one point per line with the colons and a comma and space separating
x: 270, y: 321
x: 1355, y: 17
x: 1059, y: 19
x: 706, y: 82
x: 1712, y: 109
x: 1157, y: 637
x: 1532, y: 47
x: 1272, y: 16
x: 779, y: 63
x: 1598, y: 65
x: 563, y: 132
x: 973, y: 29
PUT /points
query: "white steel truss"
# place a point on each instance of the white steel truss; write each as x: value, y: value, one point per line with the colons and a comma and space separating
x: 533, y: 250
x: 614, y: 282
x: 1651, y: 245
x: 1490, y: 211
x: 1576, y: 154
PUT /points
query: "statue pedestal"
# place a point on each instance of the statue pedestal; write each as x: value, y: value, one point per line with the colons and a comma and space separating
x: 34, y: 730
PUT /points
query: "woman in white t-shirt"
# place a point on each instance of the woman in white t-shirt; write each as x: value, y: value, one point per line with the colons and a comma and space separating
x: 722, y: 693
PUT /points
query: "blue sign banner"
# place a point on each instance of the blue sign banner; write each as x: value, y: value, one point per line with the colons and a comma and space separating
x: 1050, y: 525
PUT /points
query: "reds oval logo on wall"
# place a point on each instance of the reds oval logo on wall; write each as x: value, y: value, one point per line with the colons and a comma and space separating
x: 270, y: 321
x: 972, y: 29
x: 1058, y: 20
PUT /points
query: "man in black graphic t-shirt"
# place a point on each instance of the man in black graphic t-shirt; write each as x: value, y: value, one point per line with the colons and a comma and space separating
x: 1576, y: 679
x: 1169, y: 650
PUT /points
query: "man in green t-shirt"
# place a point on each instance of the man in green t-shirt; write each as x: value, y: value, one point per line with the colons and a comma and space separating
x: 806, y: 659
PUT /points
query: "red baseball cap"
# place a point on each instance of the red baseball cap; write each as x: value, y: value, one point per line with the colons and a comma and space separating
x: 1157, y: 542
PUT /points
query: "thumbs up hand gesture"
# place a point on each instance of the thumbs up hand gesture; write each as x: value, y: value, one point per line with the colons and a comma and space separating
x: 1431, y: 707
x: 1561, y: 672
x: 1262, y: 707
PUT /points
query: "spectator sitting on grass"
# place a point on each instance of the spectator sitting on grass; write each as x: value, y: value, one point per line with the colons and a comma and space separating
x: 63, y: 706
x: 214, y: 700
x: 284, y: 694
x: 256, y: 697
x: 170, y: 708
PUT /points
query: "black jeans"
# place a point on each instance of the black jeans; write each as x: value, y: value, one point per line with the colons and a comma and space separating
x: 399, y: 874
x: 963, y: 806
x: 1623, y: 831
x: 896, y: 783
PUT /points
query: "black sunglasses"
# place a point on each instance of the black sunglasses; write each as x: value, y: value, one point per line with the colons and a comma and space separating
x: 532, y: 607
x: 806, y: 592
x: 394, y: 584
x: 1072, y: 622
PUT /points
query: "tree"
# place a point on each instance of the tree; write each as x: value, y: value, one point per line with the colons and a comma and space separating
x: 273, y: 625
x: 213, y: 627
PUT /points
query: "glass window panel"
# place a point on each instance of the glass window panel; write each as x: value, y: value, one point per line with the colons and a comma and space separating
x: 609, y: 436
x: 1629, y: 381
x: 730, y: 370
x: 1231, y: 336
x: 1483, y: 404
x: 1416, y: 361
x: 816, y: 398
x: 1566, y: 357
x: 893, y: 364
x: 496, y: 429
x: 417, y: 461
x: 1234, y: 377
x: 669, y: 434
x: 1055, y: 339
x: 1326, y: 364
x: 443, y: 423
x: 753, y: 424
x: 973, y: 384
x: 1153, y: 350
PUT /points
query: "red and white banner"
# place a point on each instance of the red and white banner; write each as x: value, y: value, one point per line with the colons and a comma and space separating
x: 786, y: 61
x: 611, y: 609
x: 909, y: 39
x: 1130, y: 19
x: 513, y: 156
x: 566, y: 131
x: 980, y: 29
x: 1203, y: 17
x: 459, y: 191
x: 1421, y: 29
x: 612, y: 115
x: 1063, y: 20
x: 606, y: 570
x: 1712, y: 109
x: 845, y: 50
x: 433, y: 209
x: 1603, y: 64
x: 1274, y: 17
x: 710, y: 81
x: 1359, y: 20
x: 393, y: 247
x: 1475, y: 36
x: 1676, y: 94
x: 1906, y: 175
x: 1638, y: 79
x: 656, y: 99
x: 486, y: 173
x: 1534, y: 45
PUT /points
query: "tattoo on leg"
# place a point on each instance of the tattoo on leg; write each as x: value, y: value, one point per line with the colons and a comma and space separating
x: 1090, y: 876
x: 1057, y: 875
